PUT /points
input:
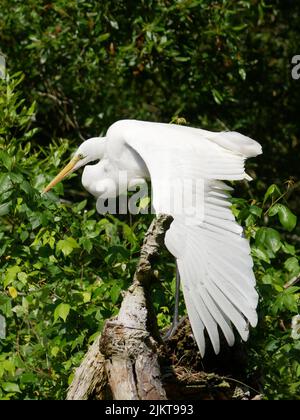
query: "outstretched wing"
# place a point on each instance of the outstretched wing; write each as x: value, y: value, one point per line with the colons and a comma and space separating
x: 212, y: 255
x: 215, y: 264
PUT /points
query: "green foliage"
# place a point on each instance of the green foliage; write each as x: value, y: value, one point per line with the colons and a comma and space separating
x: 219, y: 64
x: 56, y: 259
x: 274, y: 354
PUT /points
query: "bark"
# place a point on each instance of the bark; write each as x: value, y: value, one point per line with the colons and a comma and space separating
x: 90, y: 378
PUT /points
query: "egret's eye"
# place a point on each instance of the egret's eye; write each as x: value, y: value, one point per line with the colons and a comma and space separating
x: 80, y: 156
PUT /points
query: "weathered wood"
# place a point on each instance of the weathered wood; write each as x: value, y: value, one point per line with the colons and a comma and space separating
x: 90, y: 378
x: 129, y: 343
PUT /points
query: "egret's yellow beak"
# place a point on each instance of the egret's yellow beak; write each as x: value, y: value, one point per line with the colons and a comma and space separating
x: 67, y: 169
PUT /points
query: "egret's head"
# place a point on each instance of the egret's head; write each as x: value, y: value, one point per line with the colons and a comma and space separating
x: 91, y: 150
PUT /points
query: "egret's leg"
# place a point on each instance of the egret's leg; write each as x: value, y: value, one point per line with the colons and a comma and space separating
x: 175, y: 322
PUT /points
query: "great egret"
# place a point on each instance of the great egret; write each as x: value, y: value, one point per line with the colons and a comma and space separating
x: 212, y: 255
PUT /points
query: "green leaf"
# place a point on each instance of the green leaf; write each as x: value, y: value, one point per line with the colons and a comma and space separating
x: 268, y: 238
x: 24, y: 235
x: 243, y: 74
x: 292, y: 265
x: 86, y: 297
x: 55, y: 351
x: 273, y: 191
x: 115, y: 293
x: 271, y: 346
x: 217, y: 96
x: 286, y: 217
x: 9, y: 366
x: 11, y: 275
x: 62, y: 311
x: 16, y: 177
x: 10, y: 387
x: 5, y: 208
x: 6, y: 160
x: 240, y: 27
x: 257, y: 211
x: 80, y: 206
x: 129, y: 234
x: 5, y: 183
x: 260, y: 254
x: 267, y: 279
x: 288, y: 248
x: 70, y: 378
x: 87, y: 244
x: 22, y: 277
x: 103, y: 37
x: 144, y: 202
x: 13, y: 292
x: 66, y: 246
x: 182, y: 59
x: 28, y: 378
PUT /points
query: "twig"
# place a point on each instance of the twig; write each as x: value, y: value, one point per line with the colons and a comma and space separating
x: 292, y: 282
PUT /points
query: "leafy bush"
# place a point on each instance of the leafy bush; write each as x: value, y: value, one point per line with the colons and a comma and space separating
x: 218, y: 63
x: 274, y: 354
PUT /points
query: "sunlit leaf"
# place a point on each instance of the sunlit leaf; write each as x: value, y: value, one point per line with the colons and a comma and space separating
x: 13, y: 292
x: 66, y: 246
x: 62, y: 311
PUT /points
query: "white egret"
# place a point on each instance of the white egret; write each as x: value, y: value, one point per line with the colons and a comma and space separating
x: 212, y: 255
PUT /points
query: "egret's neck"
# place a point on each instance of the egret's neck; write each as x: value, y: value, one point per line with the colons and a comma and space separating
x: 98, y: 147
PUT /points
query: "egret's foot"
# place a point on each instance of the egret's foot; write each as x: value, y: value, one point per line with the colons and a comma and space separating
x: 173, y: 329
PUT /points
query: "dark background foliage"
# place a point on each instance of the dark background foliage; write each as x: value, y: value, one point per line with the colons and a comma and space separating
x: 220, y: 65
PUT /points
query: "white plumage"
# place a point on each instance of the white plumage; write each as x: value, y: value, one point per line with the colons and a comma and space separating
x: 212, y: 255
